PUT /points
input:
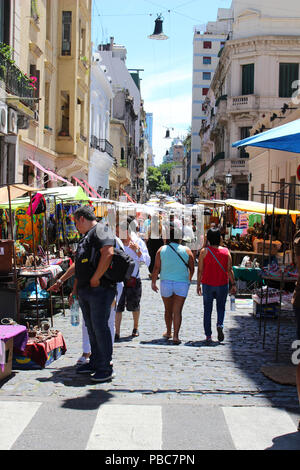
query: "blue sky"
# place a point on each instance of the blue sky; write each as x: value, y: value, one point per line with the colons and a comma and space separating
x: 167, y: 77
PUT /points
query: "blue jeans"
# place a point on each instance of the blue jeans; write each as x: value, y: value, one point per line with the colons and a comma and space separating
x: 209, y: 294
x: 297, y: 317
x: 95, y: 303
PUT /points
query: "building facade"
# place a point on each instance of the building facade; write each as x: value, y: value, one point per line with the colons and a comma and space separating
x: 270, y: 170
x: 206, y: 49
x: 50, y: 45
x: 126, y: 119
x: 101, y: 158
x: 255, y: 76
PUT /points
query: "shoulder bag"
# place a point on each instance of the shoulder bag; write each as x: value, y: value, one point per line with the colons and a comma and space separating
x: 179, y: 256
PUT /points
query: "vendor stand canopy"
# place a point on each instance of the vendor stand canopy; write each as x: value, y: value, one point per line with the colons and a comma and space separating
x: 258, y: 207
x: 67, y: 193
x: 15, y: 190
x: 285, y: 138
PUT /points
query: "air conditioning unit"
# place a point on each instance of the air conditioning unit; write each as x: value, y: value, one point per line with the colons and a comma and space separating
x: 3, y: 118
x: 12, y: 121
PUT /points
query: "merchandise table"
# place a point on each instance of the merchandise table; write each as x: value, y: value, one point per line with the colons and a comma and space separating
x: 39, y: 353
x: 251, y: 276
x: 10, y: 336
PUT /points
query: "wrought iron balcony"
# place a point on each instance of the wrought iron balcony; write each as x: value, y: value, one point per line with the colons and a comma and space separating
x: 15, y: 83
x: 102, y: 145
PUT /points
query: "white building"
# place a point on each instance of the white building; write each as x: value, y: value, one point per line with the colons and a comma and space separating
x: 114, y: 58
x: 206, y: 48
x: 101, y: 156
x: 254, y: 77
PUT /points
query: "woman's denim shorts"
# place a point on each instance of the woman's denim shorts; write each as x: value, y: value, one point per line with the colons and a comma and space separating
x: 169, y: 288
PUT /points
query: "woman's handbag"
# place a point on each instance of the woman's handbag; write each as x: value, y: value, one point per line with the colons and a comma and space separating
x: 131, y: 282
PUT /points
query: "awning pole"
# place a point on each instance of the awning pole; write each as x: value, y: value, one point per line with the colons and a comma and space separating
x: 14, y: 257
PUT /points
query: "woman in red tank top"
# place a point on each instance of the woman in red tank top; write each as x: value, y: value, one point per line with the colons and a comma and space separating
x: 214, y: 273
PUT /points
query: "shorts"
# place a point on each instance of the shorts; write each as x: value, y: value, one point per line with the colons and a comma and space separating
x: 130, y: 298
x: 169, y: 288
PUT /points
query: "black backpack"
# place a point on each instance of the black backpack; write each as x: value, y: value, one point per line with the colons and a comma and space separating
x: 121, y: 267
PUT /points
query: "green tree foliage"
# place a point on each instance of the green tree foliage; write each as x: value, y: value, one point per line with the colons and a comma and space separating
x: 157, y: 181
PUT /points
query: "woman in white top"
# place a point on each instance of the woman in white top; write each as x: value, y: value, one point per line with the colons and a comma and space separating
x: 130, y: 299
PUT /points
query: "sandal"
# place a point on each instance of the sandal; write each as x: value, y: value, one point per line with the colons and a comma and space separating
x: 176, y: 341
x: 166, y: 336
x: 135, y: 333
x: 82, y: 360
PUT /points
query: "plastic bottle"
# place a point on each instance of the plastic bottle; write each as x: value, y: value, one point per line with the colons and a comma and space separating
x: 232, y: 303
x: 75, y: 317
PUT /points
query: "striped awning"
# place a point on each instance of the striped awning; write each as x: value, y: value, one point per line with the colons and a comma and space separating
x: 53, y: 176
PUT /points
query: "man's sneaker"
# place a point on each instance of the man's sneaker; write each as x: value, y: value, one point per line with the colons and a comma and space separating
x: 220, y: 334
x: 101, y: 378
x: 208, y: 340
x: 85, y: 369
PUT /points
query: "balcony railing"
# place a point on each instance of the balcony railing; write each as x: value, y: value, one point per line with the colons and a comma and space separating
x: 205, y: 168
x: 244, y: 102
x: 102, y: 145
x: 16, y: 83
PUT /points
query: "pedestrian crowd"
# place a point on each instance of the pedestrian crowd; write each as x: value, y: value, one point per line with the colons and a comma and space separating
x: 170, y: 253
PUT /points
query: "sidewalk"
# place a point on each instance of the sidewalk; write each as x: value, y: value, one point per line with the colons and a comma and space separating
x: 150, y: 366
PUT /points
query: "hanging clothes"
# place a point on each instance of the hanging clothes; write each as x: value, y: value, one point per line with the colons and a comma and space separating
x: 66, y: 229
x: 3, y: 224
x: 24, y: 228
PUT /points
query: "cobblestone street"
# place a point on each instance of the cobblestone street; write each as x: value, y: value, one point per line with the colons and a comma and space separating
x: 152, y: 367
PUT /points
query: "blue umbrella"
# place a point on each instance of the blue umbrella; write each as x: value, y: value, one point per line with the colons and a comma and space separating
x: 286, y: 138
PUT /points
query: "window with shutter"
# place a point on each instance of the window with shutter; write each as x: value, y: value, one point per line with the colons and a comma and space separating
x: 288, y: 73
x: 66, y: 32
x: 248, y: 79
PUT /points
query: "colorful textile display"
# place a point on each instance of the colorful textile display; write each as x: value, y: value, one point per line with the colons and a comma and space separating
x: 24, y: 228
x: 66, y: 230
x: 3, y: 224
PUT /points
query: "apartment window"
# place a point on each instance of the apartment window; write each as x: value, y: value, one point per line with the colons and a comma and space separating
x: 262, y: 194
x: 206, y: 75
x: 244, y: 134
x: 288, y: 73
x: 205, y: 91
x: 34, y: 10
x: 48, y: 20
x: 47, y: 105
x: 207, y: 44
x: 293, y: 193
x: 35, y: 73
x: 82, y: 42
x: 281, y: 194
x: 4, y: 21
x: 248, y: 79
x: 206, y: 60
x: 178, y: 179
x: 66, y: 32
x: 26, y: 171
x: 65, y: 113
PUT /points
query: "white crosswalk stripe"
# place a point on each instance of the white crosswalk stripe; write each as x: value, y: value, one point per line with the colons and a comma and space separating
x: 14, y: 417
x: 123, y: 427
x: 257, y: 428
x: 127, y: 427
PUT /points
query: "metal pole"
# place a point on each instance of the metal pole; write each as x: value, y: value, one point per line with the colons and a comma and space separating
x: 34, y: 262
x: 14, y: 257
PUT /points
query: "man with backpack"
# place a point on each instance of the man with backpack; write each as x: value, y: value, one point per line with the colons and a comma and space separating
x: 99, y: 265
x: 93, y: 258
